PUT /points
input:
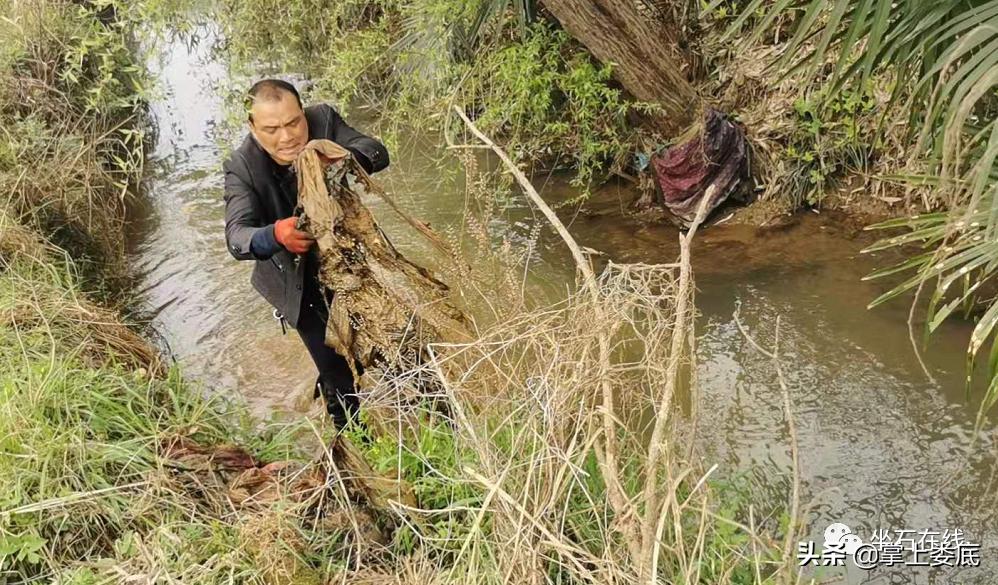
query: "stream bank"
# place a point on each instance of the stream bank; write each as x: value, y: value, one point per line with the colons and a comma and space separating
x: 93, y: 493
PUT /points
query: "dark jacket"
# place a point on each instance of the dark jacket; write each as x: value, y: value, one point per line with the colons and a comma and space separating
x: 258, y: 192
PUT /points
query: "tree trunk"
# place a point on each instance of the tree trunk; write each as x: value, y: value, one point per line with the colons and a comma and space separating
x: 645, y: 56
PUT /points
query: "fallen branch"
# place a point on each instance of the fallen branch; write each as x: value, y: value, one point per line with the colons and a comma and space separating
x: 618, y: 497
x: 681, y: 327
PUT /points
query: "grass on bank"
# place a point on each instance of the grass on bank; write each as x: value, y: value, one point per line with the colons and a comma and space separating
x: 85, y: 399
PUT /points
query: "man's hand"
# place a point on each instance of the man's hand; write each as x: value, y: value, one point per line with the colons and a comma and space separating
x: 294, y: 240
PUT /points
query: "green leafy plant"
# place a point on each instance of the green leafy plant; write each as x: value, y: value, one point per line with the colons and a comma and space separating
x: 829, y: 136
x: 550, y: 102
x: 524, y: 80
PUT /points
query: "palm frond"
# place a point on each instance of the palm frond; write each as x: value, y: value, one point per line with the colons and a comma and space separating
x: 462, y: 31
x: 943, y: 59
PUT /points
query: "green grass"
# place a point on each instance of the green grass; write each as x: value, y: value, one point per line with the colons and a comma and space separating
x: 86, y: 494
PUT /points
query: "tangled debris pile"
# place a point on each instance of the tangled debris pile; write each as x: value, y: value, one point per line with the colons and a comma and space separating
x: 252, y: 484
x: 281, y: 507
x: 385, y: 308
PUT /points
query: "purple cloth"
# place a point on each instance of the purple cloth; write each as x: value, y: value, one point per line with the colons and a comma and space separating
x: 717, y: 157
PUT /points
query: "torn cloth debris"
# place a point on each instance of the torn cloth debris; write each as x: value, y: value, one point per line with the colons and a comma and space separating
x: 717, y: 157
x: 385, y: 308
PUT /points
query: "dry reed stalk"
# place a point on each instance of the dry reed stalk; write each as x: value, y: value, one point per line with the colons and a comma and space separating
x: 542, y: 395
x: 610, y: 447
x: 680, y: 337
x: 642, y: 541
x: 774, y: 355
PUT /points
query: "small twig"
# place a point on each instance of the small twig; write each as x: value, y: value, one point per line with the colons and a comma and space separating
x: 774, y: 355
x: 679, y: 337
x: 70, y: 499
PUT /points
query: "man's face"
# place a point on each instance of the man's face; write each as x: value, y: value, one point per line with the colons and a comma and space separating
x: 280, y: 127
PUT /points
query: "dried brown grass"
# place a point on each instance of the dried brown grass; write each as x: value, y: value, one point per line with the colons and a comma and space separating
x: 39, y: 292
x: 567, y: 418
x: 66, y: 168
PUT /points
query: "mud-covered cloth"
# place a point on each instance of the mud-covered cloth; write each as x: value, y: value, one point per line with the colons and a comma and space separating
x: 385, y: 309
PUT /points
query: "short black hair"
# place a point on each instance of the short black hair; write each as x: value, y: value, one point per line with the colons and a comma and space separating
x: 270, y: 90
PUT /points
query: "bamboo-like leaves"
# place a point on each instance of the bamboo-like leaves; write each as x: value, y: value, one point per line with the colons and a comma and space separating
x: 943, y: 58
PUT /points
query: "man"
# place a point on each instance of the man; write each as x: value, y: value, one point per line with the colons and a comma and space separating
x: 261, y: 193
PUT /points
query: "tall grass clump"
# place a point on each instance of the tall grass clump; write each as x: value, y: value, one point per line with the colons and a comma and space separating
x: 113, y: 469
x: 73, y: 91
x: 70, y: 99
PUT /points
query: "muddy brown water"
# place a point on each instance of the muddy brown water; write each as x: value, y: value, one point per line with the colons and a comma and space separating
x: 881, y: 446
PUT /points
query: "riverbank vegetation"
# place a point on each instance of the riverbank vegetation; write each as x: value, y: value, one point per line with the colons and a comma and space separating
x: 924, y: 74
x: 520, y: 78
x: 71, y: 96
x: 525, y: 463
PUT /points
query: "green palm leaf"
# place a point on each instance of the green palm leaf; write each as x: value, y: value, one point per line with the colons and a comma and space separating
x: 943, y: 58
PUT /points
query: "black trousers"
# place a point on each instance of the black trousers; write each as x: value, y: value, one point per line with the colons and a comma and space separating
x: 335, y: 383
